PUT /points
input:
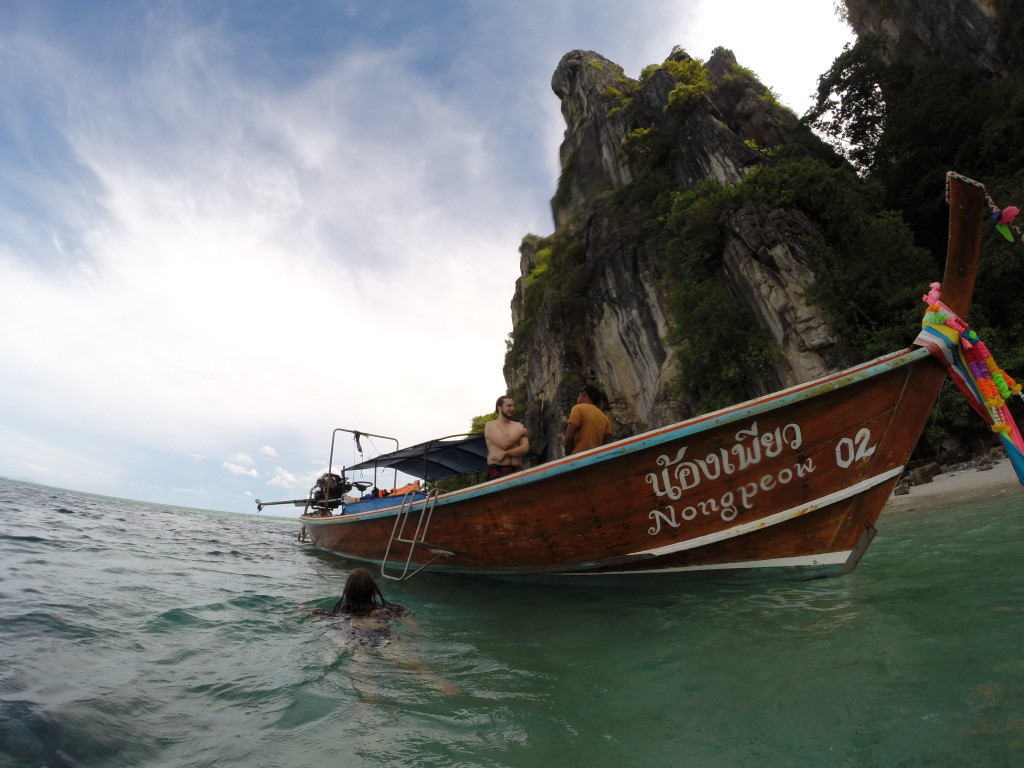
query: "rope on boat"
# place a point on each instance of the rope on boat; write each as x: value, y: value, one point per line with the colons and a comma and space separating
x: 1001, y: 217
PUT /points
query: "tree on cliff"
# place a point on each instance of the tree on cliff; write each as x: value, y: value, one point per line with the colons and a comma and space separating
x: 905, y: 114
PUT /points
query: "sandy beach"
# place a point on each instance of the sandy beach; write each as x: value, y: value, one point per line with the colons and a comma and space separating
x: 959, y: 485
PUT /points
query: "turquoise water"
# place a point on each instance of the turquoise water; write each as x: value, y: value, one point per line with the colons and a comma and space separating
x: 135, y: 634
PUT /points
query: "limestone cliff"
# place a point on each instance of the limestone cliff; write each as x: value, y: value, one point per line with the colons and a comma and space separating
x: 607, y: 323
x: 598, y: 300
x: 981, y: 34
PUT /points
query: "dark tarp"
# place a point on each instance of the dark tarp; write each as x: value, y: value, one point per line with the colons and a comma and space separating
x: 435, y: 459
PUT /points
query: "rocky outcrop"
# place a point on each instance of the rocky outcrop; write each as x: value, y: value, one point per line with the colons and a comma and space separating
x: 748, y: 108
x: 615, y: 334
x: 765, y: 262
x: 590, y: 153
x: 605, y: 315
x: 981, y: 34
x: 617, y: 342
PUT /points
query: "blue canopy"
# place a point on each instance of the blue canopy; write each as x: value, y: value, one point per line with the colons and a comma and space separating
x: 434, y: 459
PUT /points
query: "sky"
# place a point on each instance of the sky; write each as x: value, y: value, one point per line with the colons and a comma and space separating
x: 227, y: 228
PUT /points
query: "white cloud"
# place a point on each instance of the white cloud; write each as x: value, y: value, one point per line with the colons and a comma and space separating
x: 282, y: 478
x: 217, y: 258
x: 238, y: 469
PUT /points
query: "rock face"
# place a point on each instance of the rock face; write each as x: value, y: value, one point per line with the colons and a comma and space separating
x: 615, y: 337
x: 606, y: 319
x: 978, y: 33
x: 716, y: 135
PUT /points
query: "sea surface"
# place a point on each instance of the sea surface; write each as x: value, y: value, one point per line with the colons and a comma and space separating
x: 134, y: 634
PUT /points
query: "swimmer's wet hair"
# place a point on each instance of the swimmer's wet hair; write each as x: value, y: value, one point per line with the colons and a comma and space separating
x: 360, y: 595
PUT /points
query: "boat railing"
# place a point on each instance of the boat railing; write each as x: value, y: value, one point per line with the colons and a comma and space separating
x: 418, y: 538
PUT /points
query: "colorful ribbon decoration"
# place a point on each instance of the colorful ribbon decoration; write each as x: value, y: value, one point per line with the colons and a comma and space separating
x: 975, y: 372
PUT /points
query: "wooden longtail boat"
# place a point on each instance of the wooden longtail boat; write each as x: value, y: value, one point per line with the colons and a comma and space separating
x: 793, y: 481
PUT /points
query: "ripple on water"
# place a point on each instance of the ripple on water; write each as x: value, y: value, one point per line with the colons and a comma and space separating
x: 23, y: 540
x: 45, y: 624
x: 174, y: 620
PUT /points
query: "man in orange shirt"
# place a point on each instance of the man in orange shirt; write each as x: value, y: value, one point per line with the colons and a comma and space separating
x: 588, y: 426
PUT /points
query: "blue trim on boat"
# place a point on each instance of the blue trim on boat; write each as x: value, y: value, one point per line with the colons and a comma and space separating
x: 383, y: 502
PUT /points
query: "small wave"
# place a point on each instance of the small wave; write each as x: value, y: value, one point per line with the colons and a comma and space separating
x: 44, y: 624
x: 24, y: 539
x: 175, y: 619
x: 244, y: 689
x: 255, y: 602
x: 306, y: 710
x: 179, y: 657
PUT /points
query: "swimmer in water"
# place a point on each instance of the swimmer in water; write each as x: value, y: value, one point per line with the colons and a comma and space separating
x: 368, y: 614
x: 366, y: 609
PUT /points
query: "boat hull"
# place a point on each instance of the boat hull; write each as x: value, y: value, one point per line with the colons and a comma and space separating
x: 794, y: 482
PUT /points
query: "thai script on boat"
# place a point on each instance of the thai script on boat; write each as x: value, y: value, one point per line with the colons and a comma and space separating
x: 751, y: 447
x: 730, y: 502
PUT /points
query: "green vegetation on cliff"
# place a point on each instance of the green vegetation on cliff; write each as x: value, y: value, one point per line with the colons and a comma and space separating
x: 867, y: 268
x: 903, y: 127
x: 882, y: 220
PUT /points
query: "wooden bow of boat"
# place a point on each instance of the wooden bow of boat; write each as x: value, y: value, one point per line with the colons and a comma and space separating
x: 791, y: 482
x: 963, y: 249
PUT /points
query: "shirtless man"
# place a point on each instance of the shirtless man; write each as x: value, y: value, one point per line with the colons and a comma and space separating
x: 506, y: 440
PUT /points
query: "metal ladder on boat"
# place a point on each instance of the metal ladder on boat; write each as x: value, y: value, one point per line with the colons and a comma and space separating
x: 418, y: 537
